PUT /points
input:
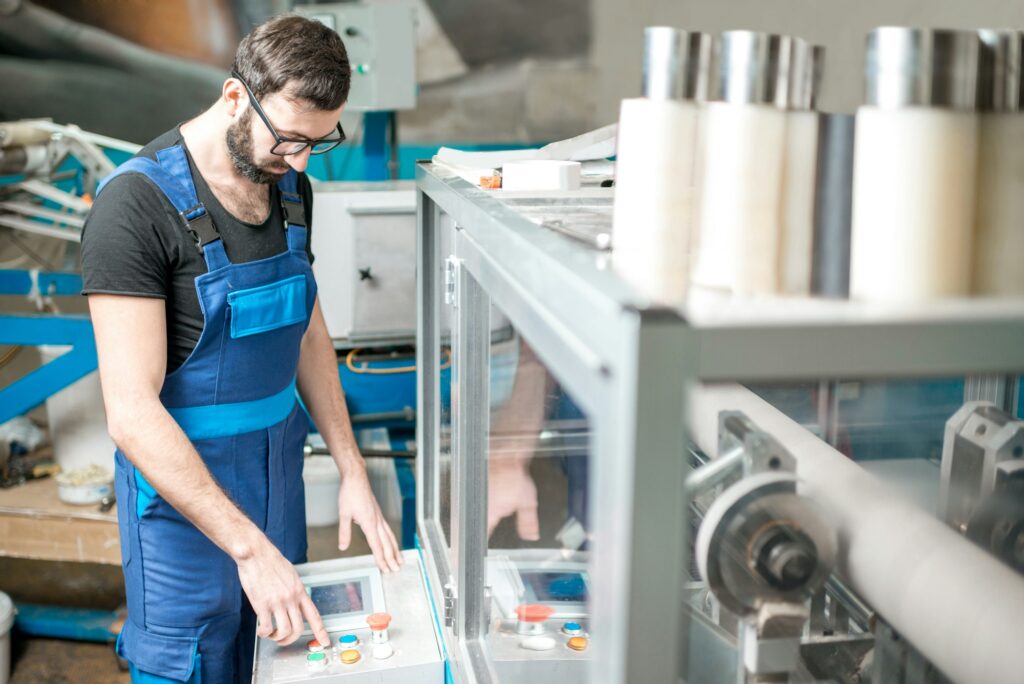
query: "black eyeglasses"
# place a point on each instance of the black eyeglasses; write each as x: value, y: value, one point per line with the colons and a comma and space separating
x: 286, y: 146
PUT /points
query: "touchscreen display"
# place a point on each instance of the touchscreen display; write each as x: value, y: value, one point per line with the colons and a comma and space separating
x: 340, y: 598
x: 549, y: 587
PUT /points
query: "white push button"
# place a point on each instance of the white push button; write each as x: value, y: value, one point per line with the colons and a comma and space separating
x: 383, y: 651
x: 538, y: 643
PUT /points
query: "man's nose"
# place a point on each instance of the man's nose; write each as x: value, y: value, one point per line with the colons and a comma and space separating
x: 300, y: 160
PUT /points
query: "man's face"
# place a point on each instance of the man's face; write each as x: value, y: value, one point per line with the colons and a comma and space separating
x: 250, y: 141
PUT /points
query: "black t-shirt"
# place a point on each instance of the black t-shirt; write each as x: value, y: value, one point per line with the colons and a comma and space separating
x: 134, y: 243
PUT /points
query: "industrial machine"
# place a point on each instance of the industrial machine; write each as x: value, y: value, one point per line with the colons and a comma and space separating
x: 805, y: 565
x: 382, y: 628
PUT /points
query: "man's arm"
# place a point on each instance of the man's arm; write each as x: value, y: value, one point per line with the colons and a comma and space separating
x: 320, y: 387
x: 515, y: 429
x: 131, y: 342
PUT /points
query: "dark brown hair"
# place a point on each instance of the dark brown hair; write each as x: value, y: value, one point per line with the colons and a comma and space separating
x: 298, y: 54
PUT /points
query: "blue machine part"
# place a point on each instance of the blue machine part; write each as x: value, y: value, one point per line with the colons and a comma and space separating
x: 18, y: 282
x: 79, y: 624
x: 31, y: 390
x: 387, y: 395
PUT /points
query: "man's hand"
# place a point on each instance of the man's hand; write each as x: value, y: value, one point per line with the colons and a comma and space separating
x: 278, y: 596
x: 511, y: 490
x: 356, y: 503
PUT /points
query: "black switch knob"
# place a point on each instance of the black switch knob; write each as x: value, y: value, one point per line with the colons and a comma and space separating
x: 351, y: 32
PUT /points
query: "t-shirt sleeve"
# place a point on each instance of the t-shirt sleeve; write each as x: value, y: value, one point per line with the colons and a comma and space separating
x: 125, y: 247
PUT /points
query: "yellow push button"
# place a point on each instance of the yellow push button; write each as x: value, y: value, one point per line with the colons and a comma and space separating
x: 578, y: 643
x: 350, y: 657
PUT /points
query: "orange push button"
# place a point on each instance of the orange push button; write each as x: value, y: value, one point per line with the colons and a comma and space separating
x: 534, y: 612
x: 578, y: 643
x: 378, y: 621
x: 350, y: 657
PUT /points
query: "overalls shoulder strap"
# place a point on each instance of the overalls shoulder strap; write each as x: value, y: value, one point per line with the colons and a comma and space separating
x: 293, y: 210
x: 171, y: 174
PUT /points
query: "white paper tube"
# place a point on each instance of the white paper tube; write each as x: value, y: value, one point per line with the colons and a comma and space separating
x: 653, y: 187
x: 999, y: 232
x: 955, y: 603
x: 796, y: 232
x: 740, y: 200
x: 913, y: 203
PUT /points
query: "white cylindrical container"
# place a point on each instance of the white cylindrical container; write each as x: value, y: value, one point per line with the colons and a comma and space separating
x: 743, y: 139
x: 796, y: 232
x: 999, y: 228
x: 915, y: 162
x: 78, y: 422
x: 654, y: 167
x: 653, y: 189
x: 6, y: 623
x: 323, y: 482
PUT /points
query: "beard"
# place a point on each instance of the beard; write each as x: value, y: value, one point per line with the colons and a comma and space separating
x: 240, y: 148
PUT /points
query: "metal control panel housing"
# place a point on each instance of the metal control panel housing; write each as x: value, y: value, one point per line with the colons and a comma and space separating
x: 347, y: 590
x: 547, y: 577
x: 365, y: 246
x: 380, y: 38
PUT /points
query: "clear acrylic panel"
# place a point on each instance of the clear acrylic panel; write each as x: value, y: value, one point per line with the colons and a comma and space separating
x: 538, y: 520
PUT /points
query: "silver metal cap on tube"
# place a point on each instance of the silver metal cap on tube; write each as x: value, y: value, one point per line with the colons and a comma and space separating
x: 742, y: 67
x: 754, y: 68
x: 907, y: 67
x: 801, y: 75
x: 999, y: 86
x: 676, y: 63
x: 698, y: 66
x: 817, y: 71
x: 665, y: 52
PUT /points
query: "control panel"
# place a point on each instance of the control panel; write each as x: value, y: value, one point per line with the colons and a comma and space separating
x: 381, y: 626
x: 380, y: 38
x: 540, y: 623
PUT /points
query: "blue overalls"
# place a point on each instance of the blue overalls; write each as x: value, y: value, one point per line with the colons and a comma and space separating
x: 188, y: 618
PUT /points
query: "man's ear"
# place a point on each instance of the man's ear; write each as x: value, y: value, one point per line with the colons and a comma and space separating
x: 235, y: 98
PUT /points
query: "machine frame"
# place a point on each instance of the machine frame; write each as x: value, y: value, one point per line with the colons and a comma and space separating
x: 627, y: 361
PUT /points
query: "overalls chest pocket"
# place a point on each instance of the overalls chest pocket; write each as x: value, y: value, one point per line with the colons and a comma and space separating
x: 268, y: 307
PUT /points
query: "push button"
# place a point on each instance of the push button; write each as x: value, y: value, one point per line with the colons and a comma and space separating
x: 379, y: 623
x: 314, y: 646
x: 572, y: 629
x: 578, y: 643
x: 316, y: 662
x: 532, y: 617
x: 346, y: 641
x: 350, y: 657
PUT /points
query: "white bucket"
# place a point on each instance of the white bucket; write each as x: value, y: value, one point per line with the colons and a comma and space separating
x: 323, y: 482
x: 6, y: 622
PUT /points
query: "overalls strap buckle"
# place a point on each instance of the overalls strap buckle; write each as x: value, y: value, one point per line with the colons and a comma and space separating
x: 294, y: 211
x: 200, y: 226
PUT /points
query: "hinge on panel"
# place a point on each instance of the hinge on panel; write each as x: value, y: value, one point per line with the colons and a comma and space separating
x: 451, y: 267
x: 450, y: 602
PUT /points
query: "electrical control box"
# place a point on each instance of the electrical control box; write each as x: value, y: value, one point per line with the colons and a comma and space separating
x: 382, y: 628
x: 380, y: 38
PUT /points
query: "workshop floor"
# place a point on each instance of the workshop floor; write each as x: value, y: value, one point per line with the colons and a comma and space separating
x: 54, y: 661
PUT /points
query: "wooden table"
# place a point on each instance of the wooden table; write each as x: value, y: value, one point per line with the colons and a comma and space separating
x: 35, y: 523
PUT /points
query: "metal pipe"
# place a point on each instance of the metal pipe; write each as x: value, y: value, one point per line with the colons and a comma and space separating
x: 958, y: 605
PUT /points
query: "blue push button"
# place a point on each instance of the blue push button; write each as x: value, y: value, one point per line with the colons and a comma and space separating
x: 572, y: 629
x: 348, y: 640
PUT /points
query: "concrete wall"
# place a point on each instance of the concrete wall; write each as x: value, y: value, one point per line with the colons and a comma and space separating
x: 617, y: 36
